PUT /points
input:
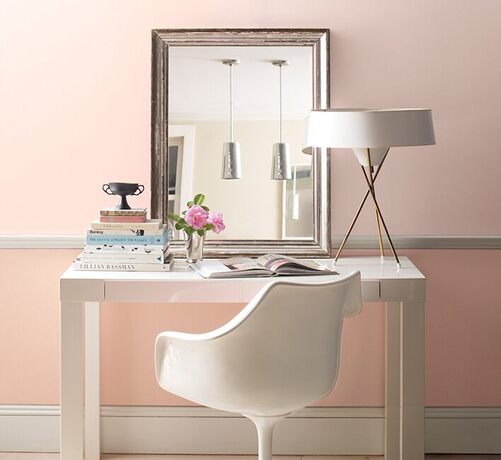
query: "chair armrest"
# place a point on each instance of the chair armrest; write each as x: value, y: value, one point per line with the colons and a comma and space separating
x: 184, y: 361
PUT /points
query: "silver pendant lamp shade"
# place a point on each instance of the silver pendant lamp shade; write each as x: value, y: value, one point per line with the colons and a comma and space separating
x: 281, y: 164
x: 231, y: 150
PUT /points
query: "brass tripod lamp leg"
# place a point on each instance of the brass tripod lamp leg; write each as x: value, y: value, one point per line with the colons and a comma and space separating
x: 382, y: 219
x: 360, y: 207
x: 351, y: 227
x: 376, y: 213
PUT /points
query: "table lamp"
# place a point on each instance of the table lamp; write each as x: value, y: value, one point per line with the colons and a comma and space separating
x: 369, y: 133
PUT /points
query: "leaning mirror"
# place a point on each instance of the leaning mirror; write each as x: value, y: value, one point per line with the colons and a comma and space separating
x: 228, y: 111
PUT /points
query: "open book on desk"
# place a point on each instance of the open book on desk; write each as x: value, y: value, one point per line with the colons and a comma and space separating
x: 264, y: 266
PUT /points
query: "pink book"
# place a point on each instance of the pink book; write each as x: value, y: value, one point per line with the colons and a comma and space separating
x: 123, y: 219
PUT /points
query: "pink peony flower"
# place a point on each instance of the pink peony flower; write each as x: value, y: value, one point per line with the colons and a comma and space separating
x: 196, y: 217
x: 216, y: 219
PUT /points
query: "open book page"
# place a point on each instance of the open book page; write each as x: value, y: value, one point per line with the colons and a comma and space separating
x: 244, y: 264
x: 268, y: 265
x: 284, y: 265
x: 236, y: 267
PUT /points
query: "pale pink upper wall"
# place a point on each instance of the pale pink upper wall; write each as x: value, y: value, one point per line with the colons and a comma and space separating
x: 75, y: 102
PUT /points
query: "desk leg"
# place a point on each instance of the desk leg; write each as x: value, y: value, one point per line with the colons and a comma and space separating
x: 72, y: 381
x: 92, y: 403
x: 404, y: 429
x: 412, y: 380
x: 392, y: 413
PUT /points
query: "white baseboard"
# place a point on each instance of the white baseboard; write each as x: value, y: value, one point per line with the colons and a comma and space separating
x: 199, y: 430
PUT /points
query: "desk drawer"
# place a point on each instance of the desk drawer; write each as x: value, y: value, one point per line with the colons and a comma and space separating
x: 370, y: 289
x: 216, y: 291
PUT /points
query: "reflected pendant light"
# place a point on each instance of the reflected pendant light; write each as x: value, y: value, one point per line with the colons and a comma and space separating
x: 281, y: 164
x: 231, y: 150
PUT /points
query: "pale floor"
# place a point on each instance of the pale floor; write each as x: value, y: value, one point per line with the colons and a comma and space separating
x: 32, y: 456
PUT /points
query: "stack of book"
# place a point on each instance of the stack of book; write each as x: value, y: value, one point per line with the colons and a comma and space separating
x: 125, y: 240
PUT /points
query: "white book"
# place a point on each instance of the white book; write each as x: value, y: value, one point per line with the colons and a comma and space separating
x: 128, y: 249
x: 122, y: 258
x: 153, y: 224
x: 125, y: 267
x: 264, y: 266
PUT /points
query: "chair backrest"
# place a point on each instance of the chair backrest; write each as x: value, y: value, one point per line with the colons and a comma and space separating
x: 282, y: 350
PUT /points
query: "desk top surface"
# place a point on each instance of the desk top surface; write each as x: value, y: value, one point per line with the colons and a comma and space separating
x: 371, y: 268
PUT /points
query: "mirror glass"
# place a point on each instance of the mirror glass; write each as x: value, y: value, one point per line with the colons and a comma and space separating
x: 255, y: 206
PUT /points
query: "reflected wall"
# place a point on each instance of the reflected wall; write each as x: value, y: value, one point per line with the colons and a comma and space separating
x: 255, y: 206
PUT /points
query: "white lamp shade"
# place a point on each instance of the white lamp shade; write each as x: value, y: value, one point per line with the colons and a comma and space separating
x: 368, y: 128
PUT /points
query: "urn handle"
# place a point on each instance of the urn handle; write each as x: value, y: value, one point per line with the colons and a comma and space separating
x: 106, y: 189
x: 140, y: 189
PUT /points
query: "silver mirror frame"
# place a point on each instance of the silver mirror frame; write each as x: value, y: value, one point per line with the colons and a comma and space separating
x: 318, y: 40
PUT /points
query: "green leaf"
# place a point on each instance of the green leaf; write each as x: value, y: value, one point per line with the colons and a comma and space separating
x: 201, y: 232
x: 206, y: 208
x: 189, y: 204
x: 179, y: 226
x: 199, y: 198
x: 173, y: 217
x: 189, y: 230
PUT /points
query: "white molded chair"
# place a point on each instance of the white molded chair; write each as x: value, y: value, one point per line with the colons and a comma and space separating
x: 279, y: 354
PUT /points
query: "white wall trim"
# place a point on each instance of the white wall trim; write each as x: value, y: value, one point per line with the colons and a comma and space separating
x: 199, y: 430
x: 42, y: 241
x: 423, y: 242
x: 354, y: 242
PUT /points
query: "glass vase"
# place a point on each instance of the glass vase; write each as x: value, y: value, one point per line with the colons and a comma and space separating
x: 194, y: 245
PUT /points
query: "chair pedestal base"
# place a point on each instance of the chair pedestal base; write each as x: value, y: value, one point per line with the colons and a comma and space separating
x: 265, y: 427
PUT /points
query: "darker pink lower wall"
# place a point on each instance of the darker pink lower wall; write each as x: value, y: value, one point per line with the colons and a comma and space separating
x: 463, y: 351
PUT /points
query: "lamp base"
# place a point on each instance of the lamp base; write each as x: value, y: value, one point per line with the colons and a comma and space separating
x: 370, y: 177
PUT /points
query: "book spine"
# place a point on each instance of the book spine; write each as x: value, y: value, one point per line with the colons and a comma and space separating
x: 118, y: 267
x: 123, y: 212
x: 125, y: 249
x: 125, y: 219
x: 125, y: 240
x: 128, y: 232
x: 124, y: 225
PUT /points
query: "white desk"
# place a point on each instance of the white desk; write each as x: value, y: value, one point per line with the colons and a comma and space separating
x: 81, y: 292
